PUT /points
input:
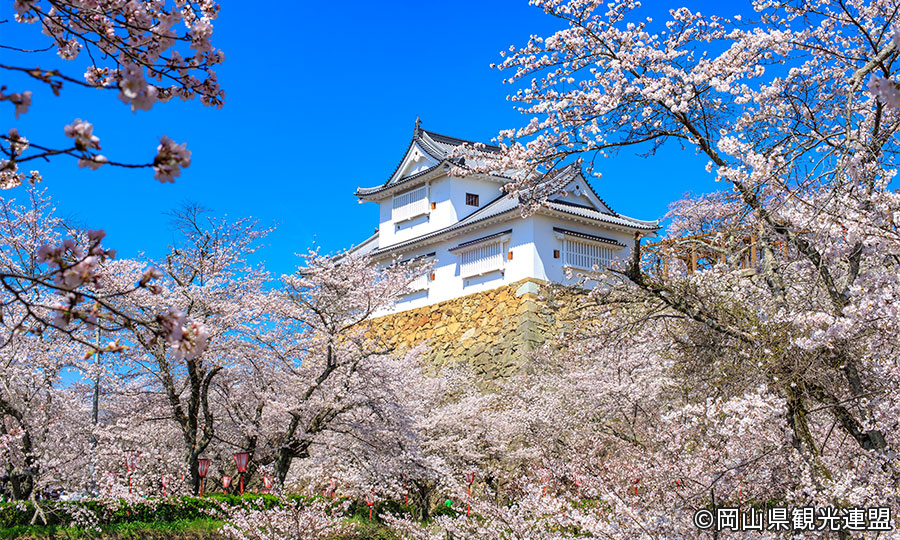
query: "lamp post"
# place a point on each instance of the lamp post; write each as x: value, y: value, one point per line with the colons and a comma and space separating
x: 370, y: 500
x: 226, y: 483
x: 240, y: 460
x: 95, y: 411
x: 131, y: 463
x: 545, y: 479
x: 202, y: 469
x: 405, y: 487
x: 469, y: 479
x: 111, y: 481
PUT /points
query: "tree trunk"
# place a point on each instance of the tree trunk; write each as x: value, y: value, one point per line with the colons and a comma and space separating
x: 21, y: 483
x: 803, y: 439
x: 424, y: 495
x: 194, y: 467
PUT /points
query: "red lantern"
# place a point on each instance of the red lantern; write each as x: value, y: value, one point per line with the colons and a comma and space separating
x: 267, y: 483
x: 240, y: 460
x: 164, y: 484
x: 226, y: 483
x: 202, y: 469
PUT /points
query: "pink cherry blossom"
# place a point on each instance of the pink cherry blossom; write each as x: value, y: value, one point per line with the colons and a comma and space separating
x: 170, y: 157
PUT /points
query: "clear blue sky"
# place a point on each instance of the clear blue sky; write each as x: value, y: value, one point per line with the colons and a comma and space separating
x: 321, y: 97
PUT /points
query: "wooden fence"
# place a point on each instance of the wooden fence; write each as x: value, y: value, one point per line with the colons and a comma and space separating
x: 737, y: 248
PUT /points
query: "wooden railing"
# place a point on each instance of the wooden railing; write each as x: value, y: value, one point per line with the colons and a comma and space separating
x: 736, y: 248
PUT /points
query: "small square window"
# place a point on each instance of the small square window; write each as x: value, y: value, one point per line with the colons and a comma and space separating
x: 471, y: 199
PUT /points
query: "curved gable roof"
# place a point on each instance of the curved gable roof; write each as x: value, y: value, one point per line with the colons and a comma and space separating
x: 434, y: 145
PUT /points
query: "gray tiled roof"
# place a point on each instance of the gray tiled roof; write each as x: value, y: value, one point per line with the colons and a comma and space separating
x: 571, y: 172
x: 506, y: 204
x: 480, y: 240
x: 590, y: 213
x: 437, y: 146
x: 587, y: 236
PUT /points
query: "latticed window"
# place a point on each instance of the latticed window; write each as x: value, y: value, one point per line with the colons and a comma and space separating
x: 471, y: 199
x: 419, y: 284
x: 585, y: 255
x: 410, y: 204
x: 481, y: 259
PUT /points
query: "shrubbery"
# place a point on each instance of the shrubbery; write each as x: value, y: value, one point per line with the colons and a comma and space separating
x: 100, y: 512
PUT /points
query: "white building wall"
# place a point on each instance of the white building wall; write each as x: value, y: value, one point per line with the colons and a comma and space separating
x: 448, y: 282
x: 547, y: 240
x: 391, y: 232
x: 449, y: 198
x: 532, y: 242
x: 486, y: 190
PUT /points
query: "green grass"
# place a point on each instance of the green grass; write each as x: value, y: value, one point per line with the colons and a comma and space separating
x: 193, y: 529
x: 174, y: 521
x: 365, y: 529
x: 197, y: 529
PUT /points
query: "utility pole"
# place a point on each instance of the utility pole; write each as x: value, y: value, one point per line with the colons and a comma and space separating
x: 95, y: 413
x: 95, y: 408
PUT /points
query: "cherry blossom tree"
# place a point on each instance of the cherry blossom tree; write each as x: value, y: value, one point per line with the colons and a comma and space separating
x: 206, y: 291
x: 317, y: 385
x: 784, y: 332
x: 39, y: 417
x: 38, y: 345
x: 780, y: 107
x: 121, y: 46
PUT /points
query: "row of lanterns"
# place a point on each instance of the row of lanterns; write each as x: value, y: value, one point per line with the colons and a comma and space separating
x: 241, y: 460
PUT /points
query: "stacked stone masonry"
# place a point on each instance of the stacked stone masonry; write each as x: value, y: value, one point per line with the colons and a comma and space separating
x: 493, y: 331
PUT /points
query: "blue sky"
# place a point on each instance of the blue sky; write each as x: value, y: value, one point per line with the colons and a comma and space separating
x: 320, y: 98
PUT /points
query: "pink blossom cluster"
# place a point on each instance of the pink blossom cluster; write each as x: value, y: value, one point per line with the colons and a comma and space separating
x: 188, y: 339
x: 170, y: 157
x: 21, y: 100
x: 74, y: 265
x: 289, y: 521
x: 134, y: 46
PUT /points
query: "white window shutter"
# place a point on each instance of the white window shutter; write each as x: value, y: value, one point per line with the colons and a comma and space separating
x: 586, y: 255
x: 410, y: 204
x: 481, y: 259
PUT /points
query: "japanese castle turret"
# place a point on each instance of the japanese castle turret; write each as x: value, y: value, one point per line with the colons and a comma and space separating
x: 475, y: 235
